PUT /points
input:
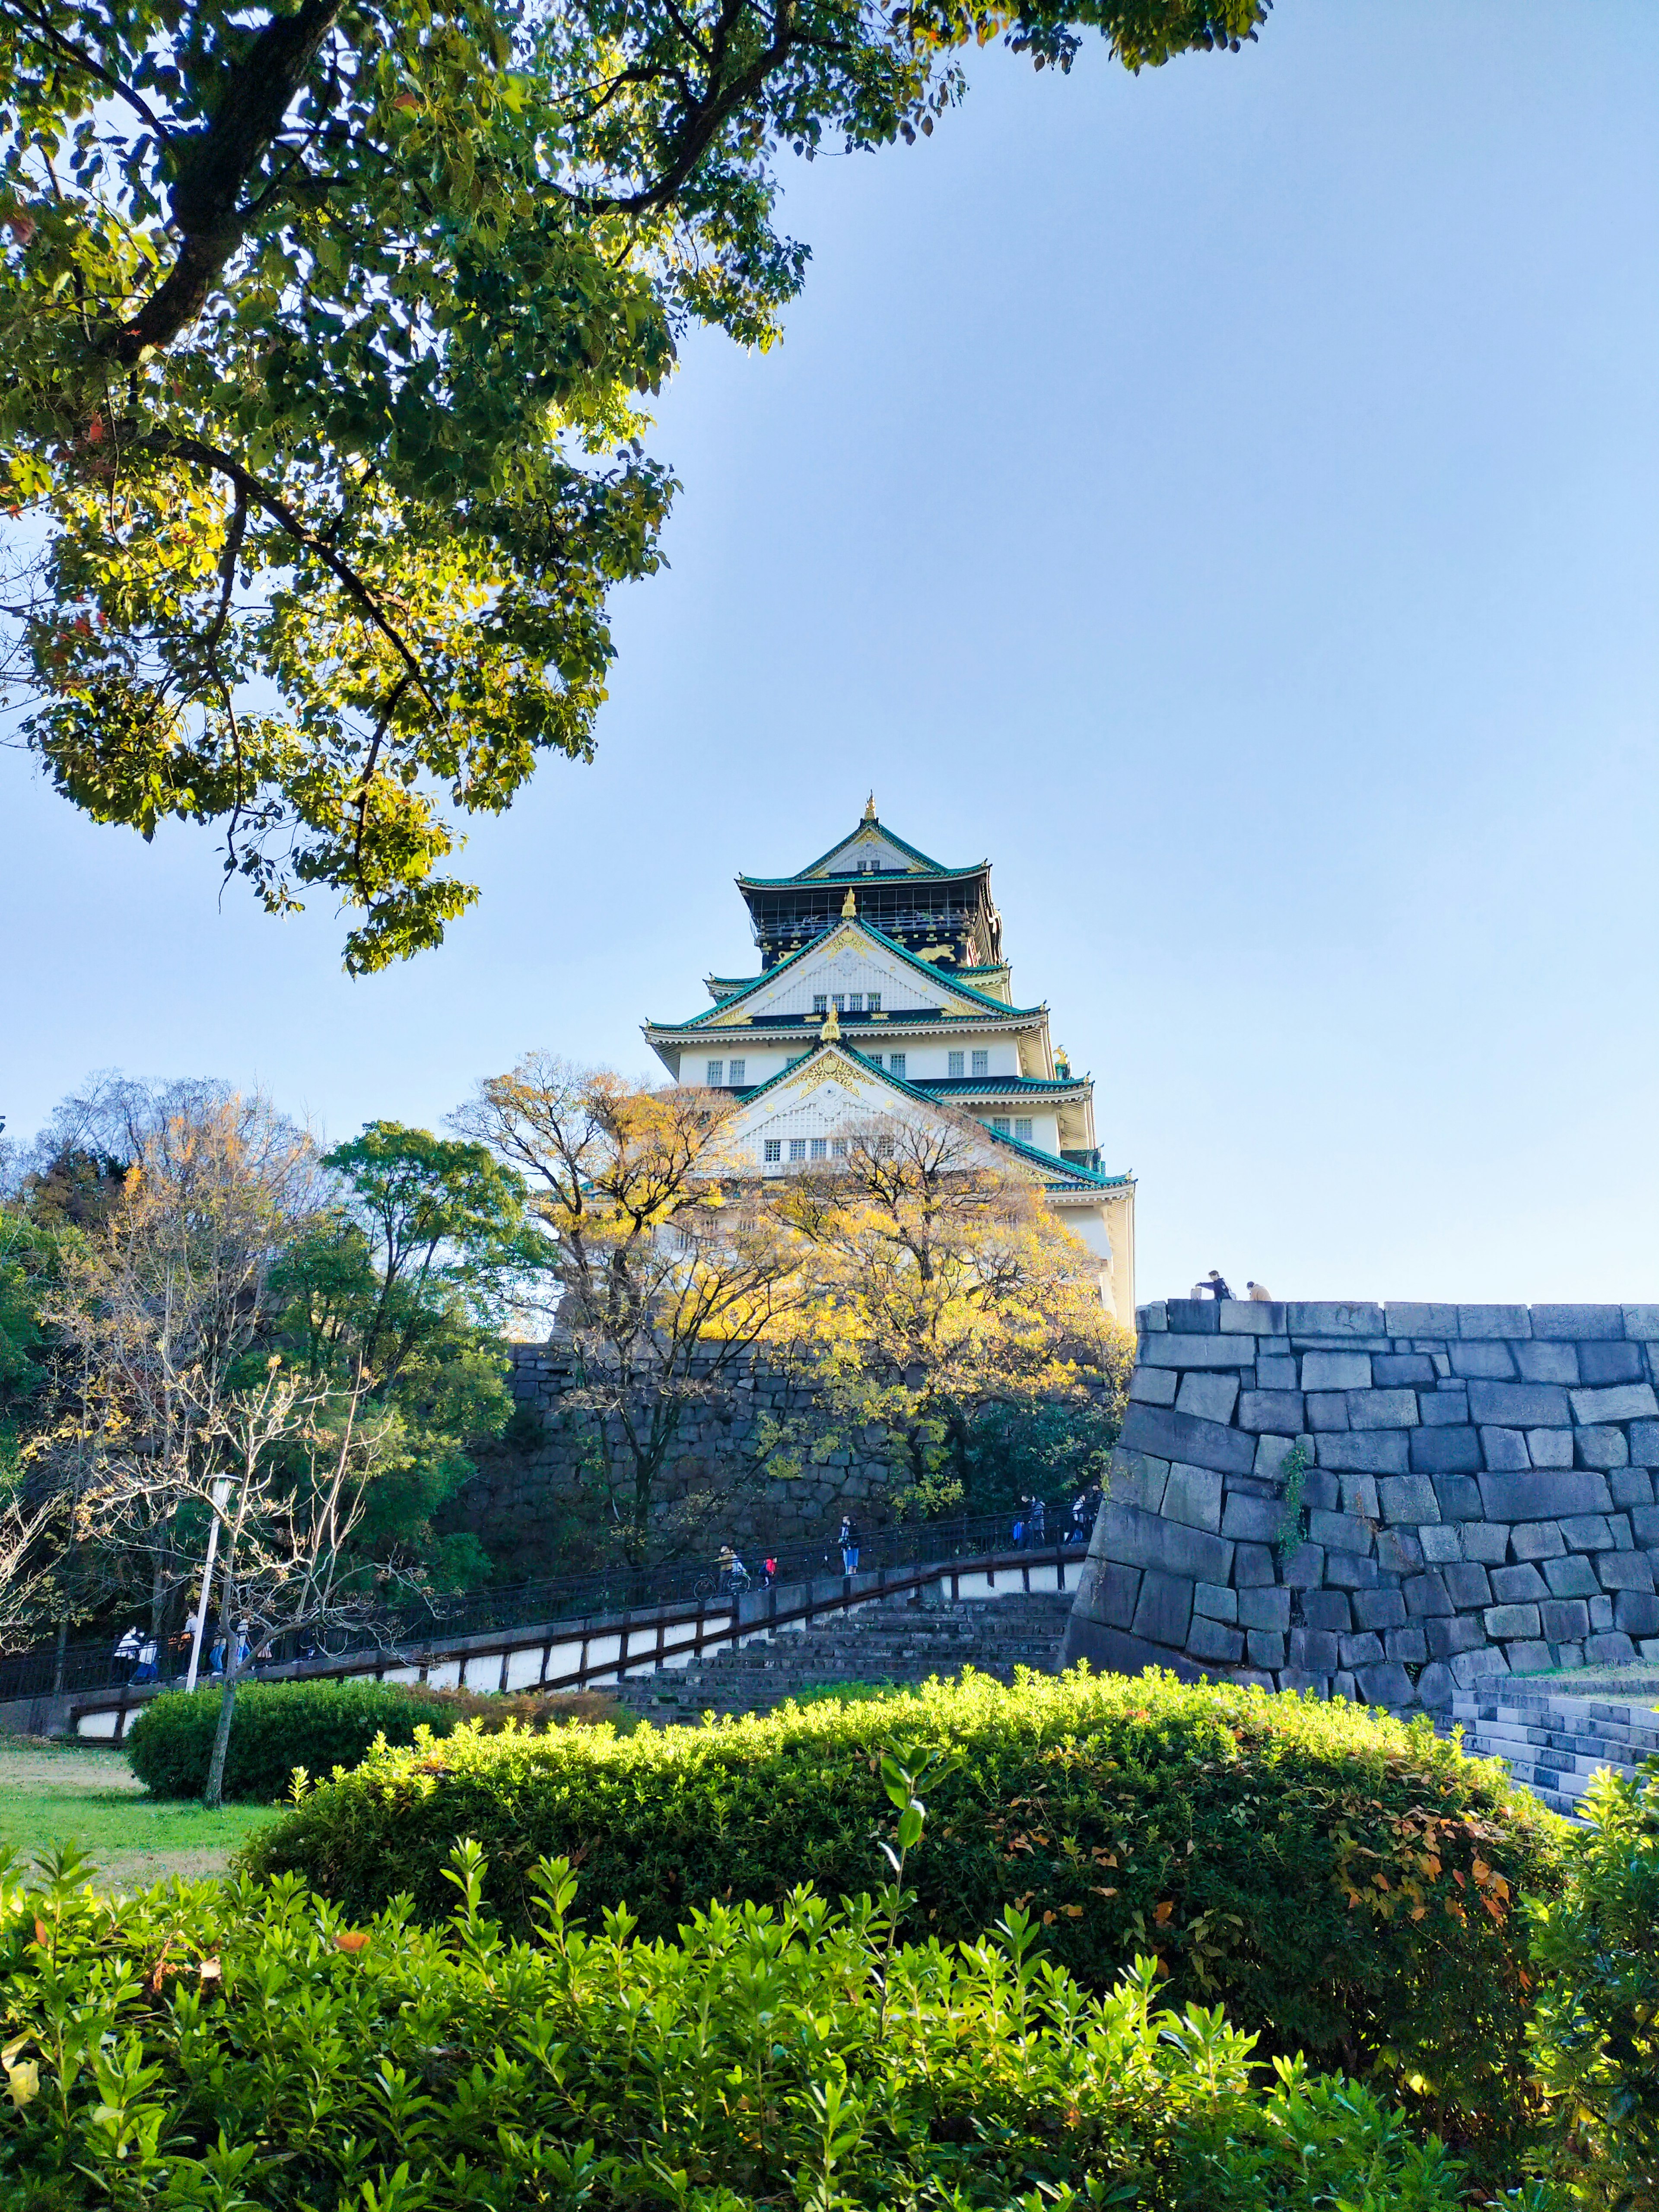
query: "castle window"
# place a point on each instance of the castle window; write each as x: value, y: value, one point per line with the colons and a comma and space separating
x: 839, y: 1148
x: 715, y: 1071
x: 981, y: 1063
x: 798, y: 1148
x: 735, y: 1072
x: 840, y: 1002
x: 772, y: 1150
x: 884, y: 1148
x: 1023, y: 1129
x: 873, y: 1003
x: 874, y: 1059
x: 820, y: 1005
x: 1000, y: 1123
x: 896, y: 1064
x: 953, y: 1065
x: 820, y: 1148
x: 855, y: 1002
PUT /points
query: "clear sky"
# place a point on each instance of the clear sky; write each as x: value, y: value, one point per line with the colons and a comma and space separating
x: 1226, y: 498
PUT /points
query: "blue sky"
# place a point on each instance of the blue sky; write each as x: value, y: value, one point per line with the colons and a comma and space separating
x: 1227, y: 498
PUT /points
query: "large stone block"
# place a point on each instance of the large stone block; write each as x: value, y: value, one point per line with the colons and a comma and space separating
x: 1492, y: 1361
x: 1493, y: 1321
x: 1213, y: 1641
x: 1401, y: 1552
x: 1629, y: 1571
x: 1548, y: 1363
x: 1621, y: 1401
x: 1464, y: 1632
x: 1566, y: 1619
x: 1327, y: 1608
x: 1253, y: 1566
x: 1577, y: 1322
x: 1164, y: 1613
x: 1537, y: 1540
x: 1273, y: 1373
x: 1505, y: 1449
x: 1271, y: 1454
x: 1641, y: 1322
x: 1392, y: 1369
x: 1263, y: 1607
x: 1506, y: 1621
x: 1520, y: 1404
x: 1530, y: 1658
x: 1440, y: 1546
x: 1137, y: 1479
x: 1645, y: 1526
x: 1386, y: 1684
x: 1192, y: 1497
x: 1208, y: 1397
x: 1522, y: 1585
x: 1113, y: 1595
x: 1611, y: 1362
x: 1305, y: 1568
x: 1310, y: 1318
x: 1326, y: 1409
x: 1644, y: 1443
x: 1609, y: 1649
x: 1264, y: 1647
x: 1147, y: 1539
x: 1549, y: 1446
x: 1409, y: 1646
x: 1467, y: 1585
x: 1570, y: 1577
x: 1377, y: 1451
x: 1115, y: 1651
x: 1445, y: 1451
x: 1589, y: 1532
x: 1313, y: 1649
x: 1245, y: 1317
x: 1630, y: 1485
x: 1479, y: 1665
x: 1252, y: 1519
x: 1199, y: 1351
x: 1447, y: 1407
x: 1436, y: 1686
x: 1336, y: 1370
x: 1407, y: 1498
x: 1406, y: 1318
x: 1215, y: 1601
x: 1193, y: 1316
x: 1279, y: 1411
x: 1175, y: 1436
x: 1545, y: 1494
x: 1382, y: 1409
x: 1459, y: 1498
x: 1359, y: 1496
x: 1339, y: 1532
x: 1154, y: 1386
x: 1600, y: 1612
x: 1378, y: 1608
x: 1350, y: 1570
x: 1600, y: 1447
x: 1361, y: 1650
x: 1426, y: 1594
x: 1636, y: 1612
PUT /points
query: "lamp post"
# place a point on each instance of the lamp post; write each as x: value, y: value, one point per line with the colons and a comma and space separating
x: 221, y: 1494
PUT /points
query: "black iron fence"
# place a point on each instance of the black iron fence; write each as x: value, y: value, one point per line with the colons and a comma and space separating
x: 433, y: 1617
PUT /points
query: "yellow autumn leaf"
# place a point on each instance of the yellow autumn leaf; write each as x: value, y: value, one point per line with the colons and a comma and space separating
x: 351, y: 1942
x: 1164, y: 1912
x: 23, y: 2082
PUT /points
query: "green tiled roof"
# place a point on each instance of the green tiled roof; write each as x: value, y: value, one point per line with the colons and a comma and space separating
x: 934, y: 868
x: 1069, y: 1174
x: 1022, y: 1086
x: 936, y: 975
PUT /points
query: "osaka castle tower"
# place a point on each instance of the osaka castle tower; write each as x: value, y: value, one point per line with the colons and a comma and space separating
x: 883, y: 991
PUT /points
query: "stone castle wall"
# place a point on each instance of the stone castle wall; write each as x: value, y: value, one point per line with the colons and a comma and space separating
x: 1478, y: 1497
x: 523, y: 1500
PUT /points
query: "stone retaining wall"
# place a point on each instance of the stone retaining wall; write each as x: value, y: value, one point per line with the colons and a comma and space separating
x: 1478, y: 1499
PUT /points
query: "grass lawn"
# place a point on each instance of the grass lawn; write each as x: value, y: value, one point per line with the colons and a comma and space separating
x: 77, y: 1794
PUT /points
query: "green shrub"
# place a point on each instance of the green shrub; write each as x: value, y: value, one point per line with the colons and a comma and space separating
x: 1595, y: 2034
x: 275, y: 1727
x: 278, y: 1726
x: 230, y: 2047
x: 1344, y: 1883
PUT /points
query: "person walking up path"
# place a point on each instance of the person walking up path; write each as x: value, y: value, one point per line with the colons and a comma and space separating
x: 847, y: 1537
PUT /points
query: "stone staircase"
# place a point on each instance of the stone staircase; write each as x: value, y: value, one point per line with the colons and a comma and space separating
x: 891, y: 1642
x: 1553, y: 1743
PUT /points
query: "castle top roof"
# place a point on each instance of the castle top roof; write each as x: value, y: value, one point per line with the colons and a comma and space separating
x: 870, y: 843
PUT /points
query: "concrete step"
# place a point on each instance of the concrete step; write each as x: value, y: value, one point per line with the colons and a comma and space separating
x: 1552, y: 1744
x: 886, y: 1643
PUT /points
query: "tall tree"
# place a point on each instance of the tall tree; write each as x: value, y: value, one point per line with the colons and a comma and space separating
x: 325, y: 331
x: 951, y: 1307
x: 667, y: 1270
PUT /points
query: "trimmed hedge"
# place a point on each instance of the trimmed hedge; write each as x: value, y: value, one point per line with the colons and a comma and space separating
x: 1346, y: 1884
x: 318, y: 1725
x: 217, y: 2049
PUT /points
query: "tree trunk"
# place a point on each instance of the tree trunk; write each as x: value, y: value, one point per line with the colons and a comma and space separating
x: 213, y: 1795
x: 57, y: 1662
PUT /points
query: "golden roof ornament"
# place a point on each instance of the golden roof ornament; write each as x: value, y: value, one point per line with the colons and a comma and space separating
x: 830, y: 1033
x: 870, y: 808
x: 849, y: 905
